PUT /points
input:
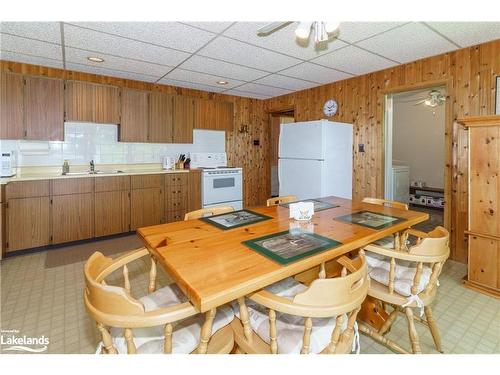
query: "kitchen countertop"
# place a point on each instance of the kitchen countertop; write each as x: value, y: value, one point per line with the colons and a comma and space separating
x: 51, y: 173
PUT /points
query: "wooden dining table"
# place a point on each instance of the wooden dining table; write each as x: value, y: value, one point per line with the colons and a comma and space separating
x: 213, y: 267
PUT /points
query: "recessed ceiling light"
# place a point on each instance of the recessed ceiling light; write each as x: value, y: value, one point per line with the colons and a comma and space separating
x: 95, y: 59
x: 222, y: 82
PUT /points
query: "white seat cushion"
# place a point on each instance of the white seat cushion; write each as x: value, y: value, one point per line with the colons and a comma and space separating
x: 186, y: 333
x: 290, y: 328
x: 379, y: 266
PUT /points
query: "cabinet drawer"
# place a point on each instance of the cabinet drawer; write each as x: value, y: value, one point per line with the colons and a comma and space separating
x: 72, y: 186
x: 484, y: 261
x: 114, y: 183
x: 177, y: 215
x: 146, y: 181
x: 176, y: 179
x: 175, y: 199
x: 27, y: 189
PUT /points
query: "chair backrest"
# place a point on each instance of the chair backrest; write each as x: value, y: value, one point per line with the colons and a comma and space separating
x: 210, y: 211
x: 279, y: 200
x: 324, y: 298
x: 386, y: 203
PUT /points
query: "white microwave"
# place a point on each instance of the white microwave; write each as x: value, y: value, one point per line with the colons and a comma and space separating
x: 7, y: 169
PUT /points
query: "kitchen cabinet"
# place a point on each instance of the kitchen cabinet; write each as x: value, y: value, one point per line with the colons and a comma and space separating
x: 112, y: 205
x: 183, y: 119
x: 2, y: 220
x: 146, y: 203
x: 106, y: 104
x: 72, y: 209
x: 27, y: 214
x: 225, y: 116
x: 160, y: 117
x: 193, y: 190
x: 134, y: 125
x: 175, y: 196
x: 11, y: 106
x: 213, y: 115
x: 44, y: 109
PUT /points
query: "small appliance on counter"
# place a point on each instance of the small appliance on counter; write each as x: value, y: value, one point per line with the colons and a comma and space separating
x: 7, y: 165
x: 168, y: 162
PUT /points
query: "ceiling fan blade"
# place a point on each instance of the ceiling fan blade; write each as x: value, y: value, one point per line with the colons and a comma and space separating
x: 272, y: 27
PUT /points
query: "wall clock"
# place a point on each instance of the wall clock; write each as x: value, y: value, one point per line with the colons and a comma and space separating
x: 330, y: 108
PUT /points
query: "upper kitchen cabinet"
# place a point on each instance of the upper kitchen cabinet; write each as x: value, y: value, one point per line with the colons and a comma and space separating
x: 11, y: 106
x: 183, y: 119
x: 79, y: 103
x: 91, y: 102
x: 160, y: 117
x: 44, y: 109
x: 134, y: 116
x: 213, y: 115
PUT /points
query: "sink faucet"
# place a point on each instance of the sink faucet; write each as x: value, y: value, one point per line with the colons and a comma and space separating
x: 92, y: 166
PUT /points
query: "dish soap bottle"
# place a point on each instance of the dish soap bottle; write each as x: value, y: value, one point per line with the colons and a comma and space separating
x: 65, y: 168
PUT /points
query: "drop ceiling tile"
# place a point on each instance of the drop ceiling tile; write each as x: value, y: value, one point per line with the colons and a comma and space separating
x: 263, y: 90
x: 354, y: 60
x: 111, y: 73
x: 79, y: 56
x: 221, y: 68
x: 315, y: 73
x: 28, y: 59
x: 202, y: 78
x: 352, y: 32
x: 46, y: 31
x: 30, y: 47
x: 167, y: 34
x: 91, y: 40
x: 408, y: 43
x: 282, y: 40
x: 215, y: 27
x: 289, y: 83
x: 190, y: 85
x: 244, y: 54
x: 468, y: 33
x: 246, y: 94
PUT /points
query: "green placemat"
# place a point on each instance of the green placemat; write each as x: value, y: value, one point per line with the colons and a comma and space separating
x: 235, y: 219
x: 284, y: 247
x: 318, y: 204
x: 372, y: 220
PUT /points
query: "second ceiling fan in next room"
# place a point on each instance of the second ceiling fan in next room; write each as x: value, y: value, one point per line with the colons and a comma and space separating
x: 322, y: 30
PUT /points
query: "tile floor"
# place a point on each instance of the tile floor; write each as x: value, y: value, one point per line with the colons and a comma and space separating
x: 48, y: 301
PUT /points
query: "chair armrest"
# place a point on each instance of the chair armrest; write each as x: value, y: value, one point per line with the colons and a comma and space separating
x: 403, y: 255
x: 417, y: 233
x: 121, y: 261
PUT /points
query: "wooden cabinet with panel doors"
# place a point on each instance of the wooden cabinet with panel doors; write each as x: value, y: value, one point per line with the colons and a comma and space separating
x: 183, y: 119
x: 72, y: 209
x: 146, y: 201
x: 161, y: 124
x: 11, y: 106
x: 175, y: 196
x: 484, y: 204
x: 112, y: 205
x: 27, y: 215
x: 134, y: 124
x: 43, y: 108
x: 213, y: 115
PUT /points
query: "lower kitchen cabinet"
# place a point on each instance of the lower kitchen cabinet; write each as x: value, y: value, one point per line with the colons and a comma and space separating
x: 146, y: 207
x: 28, y: 223
x: 72, y: 217
x: 112, y: 212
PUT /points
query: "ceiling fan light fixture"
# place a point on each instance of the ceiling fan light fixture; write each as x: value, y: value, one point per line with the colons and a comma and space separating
x: 95, y: 59
x: 331, y: 26
x: 303, y: 30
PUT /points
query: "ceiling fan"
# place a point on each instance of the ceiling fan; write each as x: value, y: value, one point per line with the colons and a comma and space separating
x: 322, y: 30
x: 433, y: 99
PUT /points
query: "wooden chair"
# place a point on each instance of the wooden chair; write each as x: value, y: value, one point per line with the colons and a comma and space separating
x: 406, y: 279
x: 289, y: 317
x: 279, y: 200
x: 163, y: 321
x: 204, y: 212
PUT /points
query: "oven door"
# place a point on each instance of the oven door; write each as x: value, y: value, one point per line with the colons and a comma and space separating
x: 221, y: 187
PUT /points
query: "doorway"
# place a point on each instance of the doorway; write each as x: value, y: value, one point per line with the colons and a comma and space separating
x: 415, y: 173
x: 275, y: 121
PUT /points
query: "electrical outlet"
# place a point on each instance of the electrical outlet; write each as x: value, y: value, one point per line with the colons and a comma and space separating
x: 361, y: 147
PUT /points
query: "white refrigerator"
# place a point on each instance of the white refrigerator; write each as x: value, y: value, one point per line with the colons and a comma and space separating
x: 315, y: 159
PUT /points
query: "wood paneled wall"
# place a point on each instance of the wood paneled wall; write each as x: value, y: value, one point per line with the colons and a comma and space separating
x: 239, y: 146
x: 470, y: 75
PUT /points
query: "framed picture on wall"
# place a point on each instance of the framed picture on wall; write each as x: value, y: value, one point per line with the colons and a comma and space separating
x: 497, y: 111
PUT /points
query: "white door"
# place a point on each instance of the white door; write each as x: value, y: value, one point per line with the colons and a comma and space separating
x: 302, y: 178
x: 301, y: 140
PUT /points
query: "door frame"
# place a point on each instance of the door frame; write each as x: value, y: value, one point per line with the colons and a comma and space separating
x: 448, y: 132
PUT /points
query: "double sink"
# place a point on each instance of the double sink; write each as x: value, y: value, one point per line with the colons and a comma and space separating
x: 86, y: 173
